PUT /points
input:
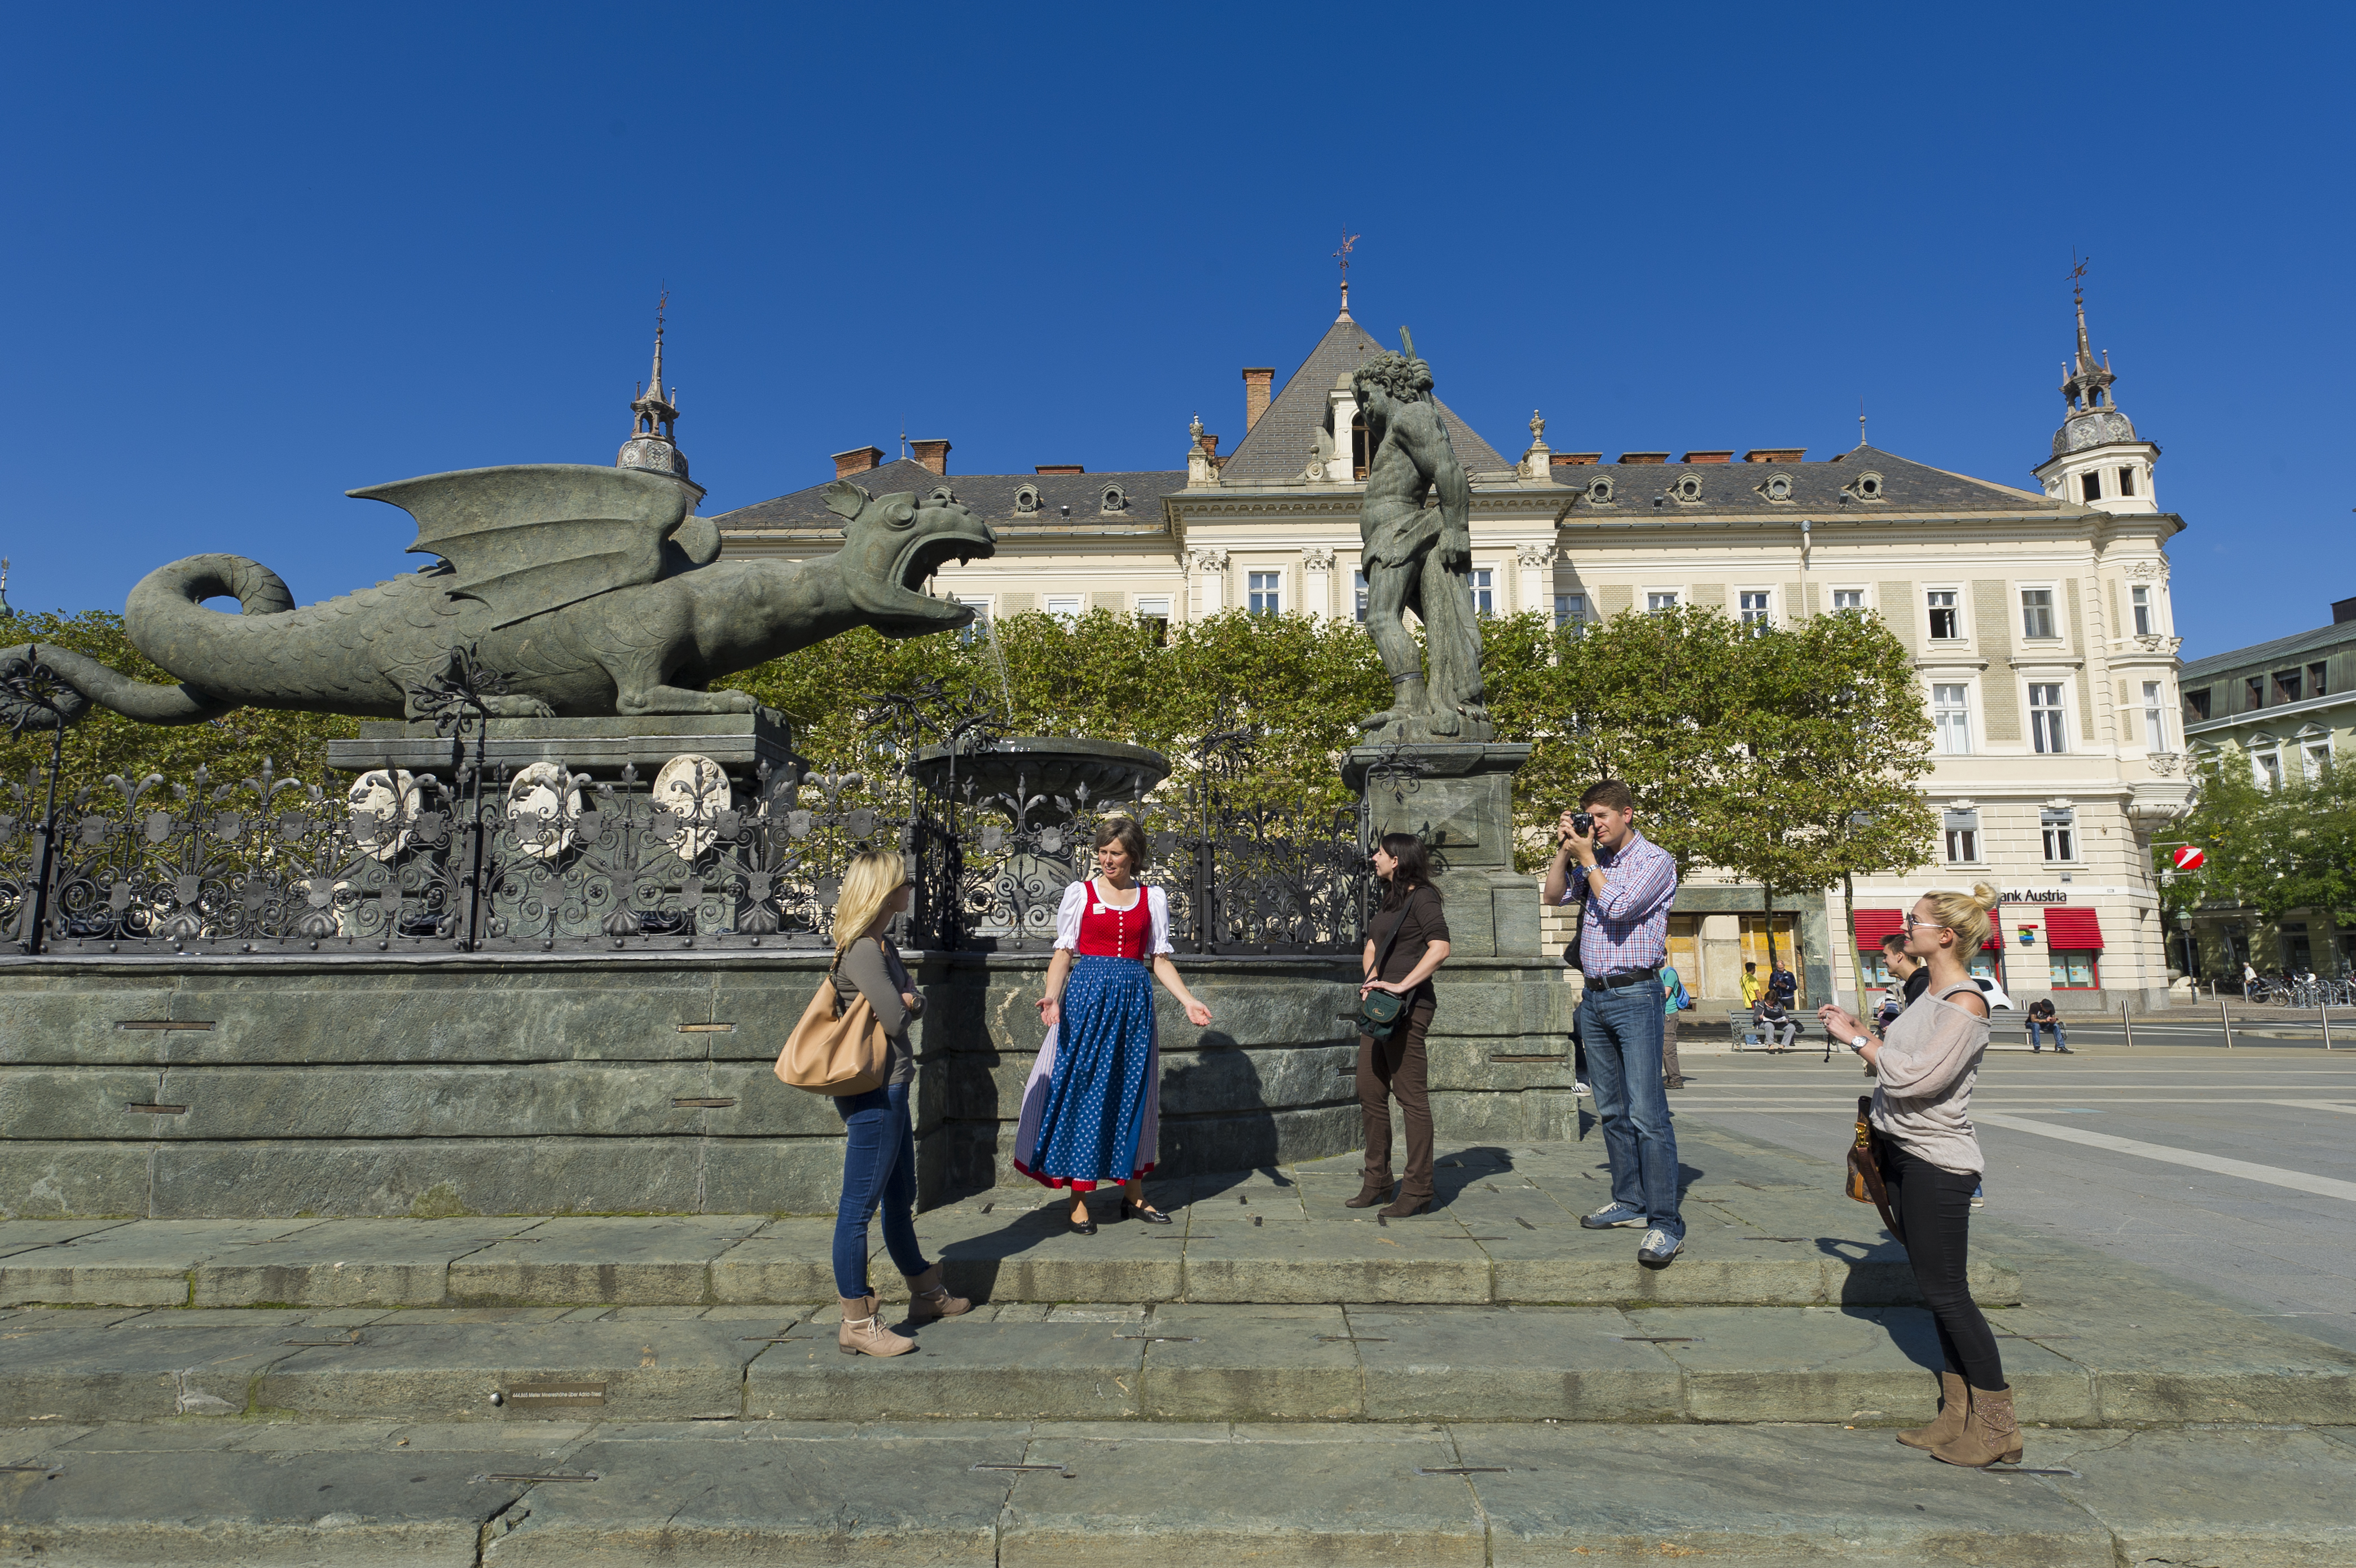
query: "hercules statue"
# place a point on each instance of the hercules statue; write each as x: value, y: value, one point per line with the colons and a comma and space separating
x: 1417, y: 557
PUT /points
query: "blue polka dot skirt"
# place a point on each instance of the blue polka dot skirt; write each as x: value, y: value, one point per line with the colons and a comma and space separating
x: 1095, y: 1091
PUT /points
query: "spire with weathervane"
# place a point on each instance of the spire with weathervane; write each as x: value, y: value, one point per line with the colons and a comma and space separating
x: 652, y: 443
x: 2098, y: 460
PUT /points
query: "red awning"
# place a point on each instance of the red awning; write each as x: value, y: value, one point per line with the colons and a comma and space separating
x: 2072, y: 931
x: 1872, y: 925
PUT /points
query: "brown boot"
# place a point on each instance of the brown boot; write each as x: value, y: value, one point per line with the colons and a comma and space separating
x: 1954, y: 1403
x: 928, y: 1299
x: 1370, y: 1193
x: 864, y: 1334
x: 1990, y: 1432
x: 1407, y: 1203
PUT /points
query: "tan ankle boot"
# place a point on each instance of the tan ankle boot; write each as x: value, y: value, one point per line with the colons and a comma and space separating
x: 864, y: 1334
x: 1954, y: 1403
x: 1990, y: 1432
x: 929, y: 1300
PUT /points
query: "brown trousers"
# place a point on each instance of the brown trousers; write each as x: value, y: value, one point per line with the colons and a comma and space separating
x: 1396, y: 1066
x: 1669, y: 1068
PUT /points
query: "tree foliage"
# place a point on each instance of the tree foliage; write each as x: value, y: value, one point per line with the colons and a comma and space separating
x: 2271, y: 847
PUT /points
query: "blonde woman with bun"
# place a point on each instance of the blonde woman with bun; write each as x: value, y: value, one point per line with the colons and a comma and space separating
x: 1925, y: 1064
x: 879, y: 1153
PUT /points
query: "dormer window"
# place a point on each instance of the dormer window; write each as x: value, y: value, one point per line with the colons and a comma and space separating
x: 1687, y: 489
x: 1026, y: 500
x: 1778, y: 488
x: 1866, y: 487
x: 1599, y: 491
x: 942, y: 495
x: 1116, y: 500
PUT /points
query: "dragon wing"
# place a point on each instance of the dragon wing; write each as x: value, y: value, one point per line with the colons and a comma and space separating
x: 538, y: 536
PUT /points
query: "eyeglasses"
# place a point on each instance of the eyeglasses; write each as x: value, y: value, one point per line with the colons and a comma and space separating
x: 1911, y: 922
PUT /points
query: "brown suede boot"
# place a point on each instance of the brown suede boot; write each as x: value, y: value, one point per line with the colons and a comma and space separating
x: 1954, y: 1403
x: 929, y: 1300
x: 1370, y: 1193
x: 1990, y: 1432
x: 864, y: 1334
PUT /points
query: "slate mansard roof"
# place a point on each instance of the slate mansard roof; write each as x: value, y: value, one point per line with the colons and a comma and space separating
x: 1280, y: 445
x: 2259, y: 656
x: 1833, y: 488
x: 991, y: 498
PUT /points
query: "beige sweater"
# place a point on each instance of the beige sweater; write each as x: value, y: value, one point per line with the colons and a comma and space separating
x: 1929, y: 1059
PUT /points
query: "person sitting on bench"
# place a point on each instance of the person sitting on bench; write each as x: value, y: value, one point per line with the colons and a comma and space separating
x: 2041, y: 1012
x: 1769, y: 1014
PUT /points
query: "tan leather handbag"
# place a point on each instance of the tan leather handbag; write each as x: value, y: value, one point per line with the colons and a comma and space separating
x: 834, y: 1053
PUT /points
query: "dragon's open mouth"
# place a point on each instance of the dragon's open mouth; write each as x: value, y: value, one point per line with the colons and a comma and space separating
x: 926, y: 555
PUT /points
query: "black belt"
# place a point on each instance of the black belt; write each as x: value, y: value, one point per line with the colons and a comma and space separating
x: 1626, y: 977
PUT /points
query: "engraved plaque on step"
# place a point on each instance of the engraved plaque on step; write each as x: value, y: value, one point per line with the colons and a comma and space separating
x: 525, y: 1398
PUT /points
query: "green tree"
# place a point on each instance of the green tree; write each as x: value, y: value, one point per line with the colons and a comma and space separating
x: 1830, y: 740
x: 2274, y: 848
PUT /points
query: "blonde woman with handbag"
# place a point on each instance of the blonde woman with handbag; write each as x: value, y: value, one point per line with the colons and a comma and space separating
x: 1926, y: 1062
x: 879, y: 1154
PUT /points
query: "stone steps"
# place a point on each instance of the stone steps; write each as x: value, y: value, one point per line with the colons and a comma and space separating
x: 1054, y: 1495
x: 1385, y: 1362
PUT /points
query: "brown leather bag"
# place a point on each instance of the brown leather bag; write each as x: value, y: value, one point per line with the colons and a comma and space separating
x: 1865, y: 1156
x: 835, y: 1050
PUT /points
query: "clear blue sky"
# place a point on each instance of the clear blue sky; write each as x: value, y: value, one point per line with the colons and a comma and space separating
x: 259, y: 256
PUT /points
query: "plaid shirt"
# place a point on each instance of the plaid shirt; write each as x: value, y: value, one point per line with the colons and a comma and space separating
x: 1627, y: 925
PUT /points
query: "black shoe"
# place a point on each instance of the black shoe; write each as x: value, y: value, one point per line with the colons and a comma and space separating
x: 1138, y: 1211
x: 1084, y: 1227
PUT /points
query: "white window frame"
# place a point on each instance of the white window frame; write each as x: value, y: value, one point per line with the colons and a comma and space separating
x: 1930, y: 608
x: 2053, y: 611
x: 1653, y: 597
x: 1571, y: 609
x: 2049, y: 721
x: 2314, y: 756
x: 2155, y: 715
x: 1067, y: 607
x: 2058, y: 827
x: 1483, y: 581
x: 2265, y: 767
x: 2140, y: 605
x: 1952, y: 720
x: 977, y: 629
x: 1759, y: 616
x: 1264, y: 592
x: 1358, y: 592
x: 1955, y: 836
x: 1857, y: 599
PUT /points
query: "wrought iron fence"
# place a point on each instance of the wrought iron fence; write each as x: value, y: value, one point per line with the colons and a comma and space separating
x: 495, y: 859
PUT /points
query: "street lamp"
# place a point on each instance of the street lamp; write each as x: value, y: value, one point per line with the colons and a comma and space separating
x: 2184, y: 924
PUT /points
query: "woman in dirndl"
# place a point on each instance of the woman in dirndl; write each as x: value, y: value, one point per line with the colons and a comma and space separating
x: 1092, y: 1108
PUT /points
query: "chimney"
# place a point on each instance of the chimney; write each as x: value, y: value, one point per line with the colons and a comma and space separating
x: 1576, y: 459
x: 1058, y: 468
x: 2342, y: 610
x: 858, y: 460
x: 1775, y: 455
x: 933, y: 454
x: 1707, y: 457
x: 1652, y: 458
x: 1256, y: 382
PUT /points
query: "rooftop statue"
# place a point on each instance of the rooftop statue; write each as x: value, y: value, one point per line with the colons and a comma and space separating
x: 589, y: 589
x: 1418, y: 558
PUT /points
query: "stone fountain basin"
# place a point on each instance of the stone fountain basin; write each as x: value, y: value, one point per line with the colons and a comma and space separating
x: 1051, y: 765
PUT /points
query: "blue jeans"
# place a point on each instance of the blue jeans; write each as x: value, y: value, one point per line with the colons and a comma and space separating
x: 2054, y: 1026
x: 878, y: 1166
x: 1621, y: 1031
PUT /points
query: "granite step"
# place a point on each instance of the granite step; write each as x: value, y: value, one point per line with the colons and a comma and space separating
x: 970, y: 1494
x: 1146, y: 1363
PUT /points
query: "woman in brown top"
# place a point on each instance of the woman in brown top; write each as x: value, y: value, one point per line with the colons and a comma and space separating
x: 1410, y: 926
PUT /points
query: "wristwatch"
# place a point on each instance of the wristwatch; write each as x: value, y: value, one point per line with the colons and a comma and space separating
x: 1859, y: 1044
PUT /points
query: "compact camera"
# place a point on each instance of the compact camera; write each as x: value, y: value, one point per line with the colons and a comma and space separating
x: 1584, y: 823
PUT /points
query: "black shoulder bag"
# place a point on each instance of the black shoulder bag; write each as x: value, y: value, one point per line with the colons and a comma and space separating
x: 1379, y: 1012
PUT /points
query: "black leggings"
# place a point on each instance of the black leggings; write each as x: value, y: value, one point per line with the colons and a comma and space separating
x: 1936, y: 1207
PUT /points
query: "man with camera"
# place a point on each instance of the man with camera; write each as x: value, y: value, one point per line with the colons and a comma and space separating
x: 1624, y: 883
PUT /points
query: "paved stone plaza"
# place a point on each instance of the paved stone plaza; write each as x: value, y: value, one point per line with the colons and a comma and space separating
x: 1274, y: 1377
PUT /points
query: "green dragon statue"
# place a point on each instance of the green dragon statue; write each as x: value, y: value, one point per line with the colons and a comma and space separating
x: 591, y: 590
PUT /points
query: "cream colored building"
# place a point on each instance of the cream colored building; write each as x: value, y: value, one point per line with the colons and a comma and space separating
x: 2039, y: 621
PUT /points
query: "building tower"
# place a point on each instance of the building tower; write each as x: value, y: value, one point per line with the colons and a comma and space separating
x: 2098, y: 460
x: 652, y: 444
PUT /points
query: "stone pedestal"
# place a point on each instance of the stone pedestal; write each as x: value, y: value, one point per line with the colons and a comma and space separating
x: 600, y: 747
x: 1458, y: 799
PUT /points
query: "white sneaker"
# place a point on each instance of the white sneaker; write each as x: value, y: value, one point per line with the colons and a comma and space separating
x: 1579, y: 1087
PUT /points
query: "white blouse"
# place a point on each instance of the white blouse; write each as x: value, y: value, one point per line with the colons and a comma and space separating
x: 1075, y: 902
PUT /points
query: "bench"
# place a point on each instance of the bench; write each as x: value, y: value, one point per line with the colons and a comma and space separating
x: 1749, y: 1034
